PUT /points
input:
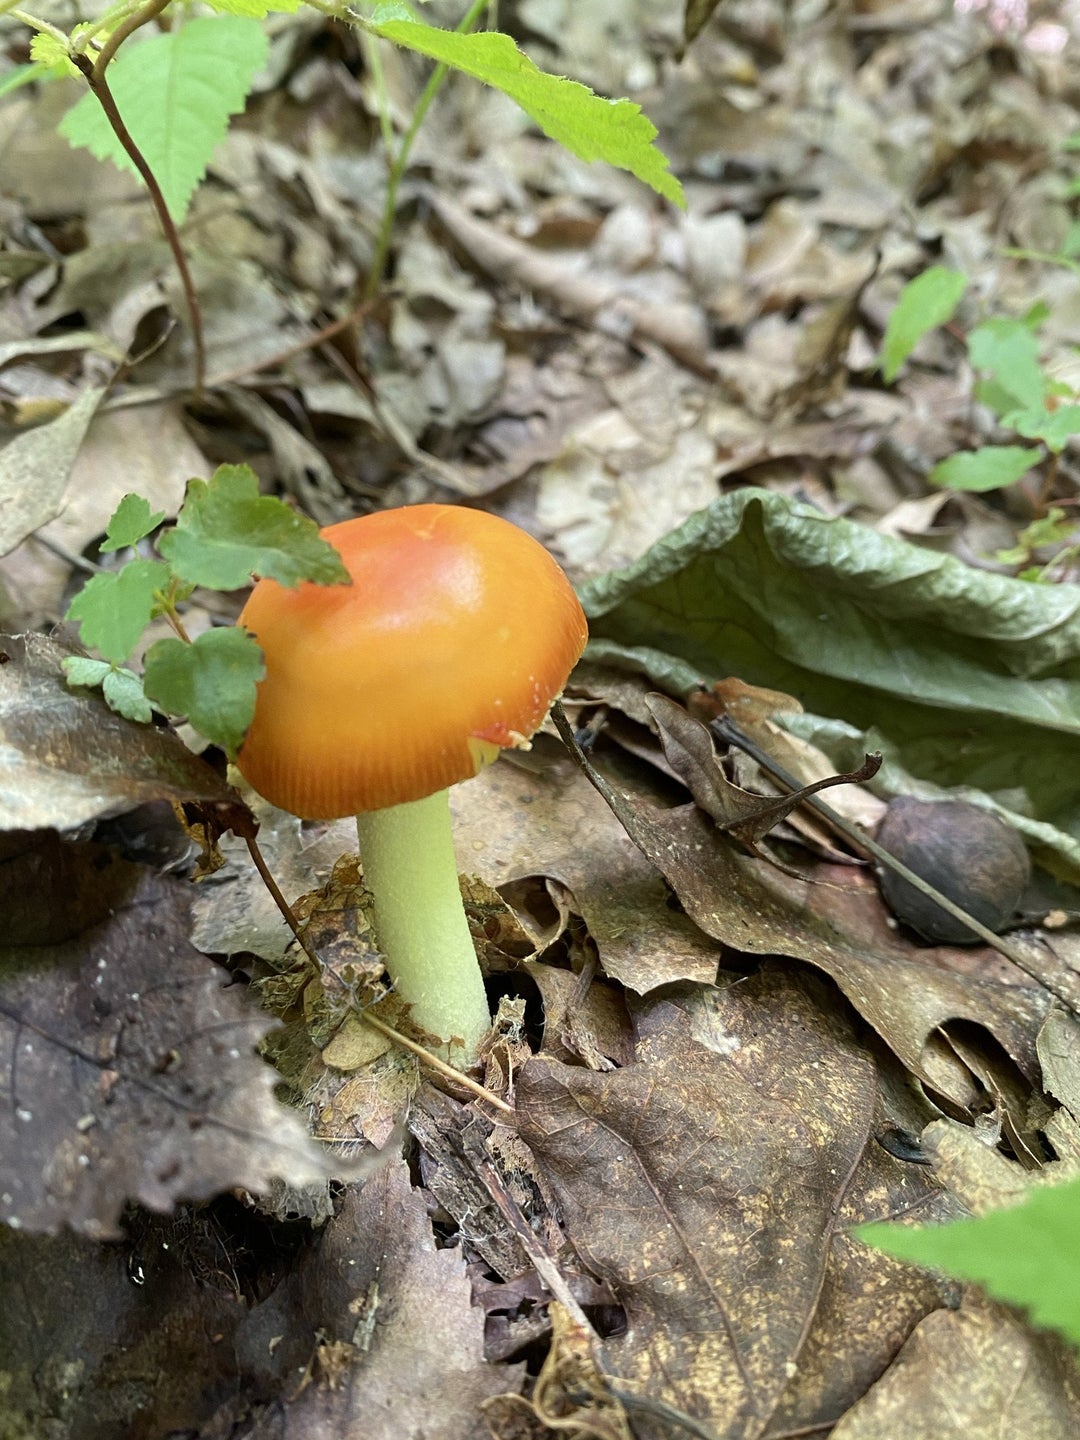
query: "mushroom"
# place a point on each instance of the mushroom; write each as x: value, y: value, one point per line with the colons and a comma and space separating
x: 455, y: 636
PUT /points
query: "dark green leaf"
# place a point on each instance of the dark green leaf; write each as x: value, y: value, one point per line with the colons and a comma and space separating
x: 925, y: 302
x: 991, y: 468
x: 226, y: 532
x: 114, y: 610
x: 1027, y: 1255
x: 211, y: 681
x: 133, y: 519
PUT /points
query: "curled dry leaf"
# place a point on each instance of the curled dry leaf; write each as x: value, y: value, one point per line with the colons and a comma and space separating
x: 905, y: 993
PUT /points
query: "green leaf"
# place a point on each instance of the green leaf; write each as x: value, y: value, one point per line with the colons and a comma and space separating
x: 124, y: 692
x: 1010, y: 352
x: 226, y: 532
x: 991, y: 468
x: 1027, y: 1255
x: 83, y: 671
x: 175, y: 93
x: 51, y: 53
x: 972, y: 678
x: 113, y: 610
x: 1053, y: 528
x: 25, y: 75
x: 1055, y: 428
x: 133, y: 519
x: 211, y: 681
x: 587, y: 125
x: 925, y: 302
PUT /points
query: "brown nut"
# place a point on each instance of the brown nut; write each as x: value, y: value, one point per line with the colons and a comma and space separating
x: 966, y: 852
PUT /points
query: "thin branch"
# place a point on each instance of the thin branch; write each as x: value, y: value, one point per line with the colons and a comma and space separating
x: 94, y: 72
x: 401, y: 160
x: 424, y: 1056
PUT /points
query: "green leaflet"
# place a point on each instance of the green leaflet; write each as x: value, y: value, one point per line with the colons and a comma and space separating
x: 589, y: 126
x: 1027, y: 1255
x: 176, y: 93
x: 211, y: 681
x: 925, y: 302
x: 226, y: 532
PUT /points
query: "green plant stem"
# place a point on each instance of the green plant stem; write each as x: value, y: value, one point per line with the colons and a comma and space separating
x: 142, y: 16
x: 401, y: 160
x: 409, y: 867
x: 99, y: 85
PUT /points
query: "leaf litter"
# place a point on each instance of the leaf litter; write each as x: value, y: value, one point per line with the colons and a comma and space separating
x: 569, y: 355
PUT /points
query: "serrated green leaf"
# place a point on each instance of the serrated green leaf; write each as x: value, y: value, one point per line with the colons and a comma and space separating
x: 52, y: 53
x: 991, y: 468
x: 925, y: 303
x: 1027, y: 1255
x: 123, y: 690
x: 83, y: 671
x: 257, y: 9
x: 212, y: 682
x: 226, y: 532
x: 114, y: 610
x: 132, y: 520
x: 1010, y: 353
x: 589, y: 126
x: 1055, y: 428
x: 175, y: 93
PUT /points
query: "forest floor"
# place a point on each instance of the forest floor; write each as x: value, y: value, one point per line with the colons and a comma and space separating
x: 718, y: 1052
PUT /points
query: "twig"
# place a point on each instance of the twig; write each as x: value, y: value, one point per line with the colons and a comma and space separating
x: 94, y: 72
x: 401, y: 159
x: 424, y: 1056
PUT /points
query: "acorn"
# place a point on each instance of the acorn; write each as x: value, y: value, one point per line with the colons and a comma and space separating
x: 966, y: 852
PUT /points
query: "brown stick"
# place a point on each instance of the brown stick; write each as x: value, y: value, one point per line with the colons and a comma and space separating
x: 94, y: 71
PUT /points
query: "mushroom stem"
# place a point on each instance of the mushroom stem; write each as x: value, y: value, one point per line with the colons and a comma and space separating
x: 409, y: 867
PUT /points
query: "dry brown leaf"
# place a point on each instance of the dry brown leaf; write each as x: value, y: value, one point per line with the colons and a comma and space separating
x: 704, y: 1182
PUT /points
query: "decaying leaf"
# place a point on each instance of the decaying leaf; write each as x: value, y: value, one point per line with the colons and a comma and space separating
x: 974, y: 1374
x: 700, y: 1180
x: 128, y: 1070
x: 66, y: 758
x: 407, y: 1341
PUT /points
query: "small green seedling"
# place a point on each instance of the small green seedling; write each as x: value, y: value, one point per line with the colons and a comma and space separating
x: 1027, y: 1255
x: 225, y: 533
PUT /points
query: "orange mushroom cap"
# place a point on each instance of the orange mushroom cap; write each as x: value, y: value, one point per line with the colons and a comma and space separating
x: 457, y: 633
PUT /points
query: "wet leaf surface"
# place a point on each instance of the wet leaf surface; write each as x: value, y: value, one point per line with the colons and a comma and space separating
x: 128, y: 1070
